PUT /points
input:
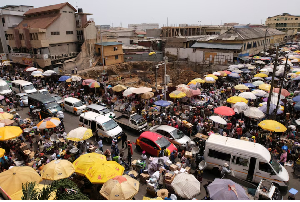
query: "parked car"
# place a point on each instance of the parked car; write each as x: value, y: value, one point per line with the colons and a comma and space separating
x: 152, y: 143
x: 23, y: 97
x: 175, y: 136
x: 58, y: 99
x: 103, y: 110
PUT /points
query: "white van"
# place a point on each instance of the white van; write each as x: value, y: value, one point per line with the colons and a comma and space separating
x: 249, y: 161
x: 21, y: 86
x: 100, y: 110
x: 4, y: 88
x: 106, y: 127
x: 74, y: 105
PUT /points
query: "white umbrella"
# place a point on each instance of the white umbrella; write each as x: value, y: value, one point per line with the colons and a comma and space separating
x: 217, y: 73
x: 254, y: 113
x: 142, y: 90
x: 257, y: 78
x: 237, y: 71
x: 209, y: 80
x: 36, y: 72
x: 257, y: 83
x: 128, y: 91
x: 298, y: 121
x: 186, y: 185
x: 218, y: 119
x: 240, y: 107
x: 80, y: 134
x: 76, y: 78
x: 248, y: 95
x: 31, y: 69
x: 260, y: 93
x: 49, y: 73
x: 251, y: 67
x: 260, y: 62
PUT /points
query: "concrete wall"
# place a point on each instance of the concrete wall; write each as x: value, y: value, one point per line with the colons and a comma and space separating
x: 155, y: 33
x: 125, y: 41
x: 143, y: 57
x: 64, y: 48
x: 66, y: 22
x: 90, y: 32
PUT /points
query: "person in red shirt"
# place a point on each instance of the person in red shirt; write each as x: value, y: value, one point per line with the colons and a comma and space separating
x: 228, y: 128
x: 239, y: 131
x: 130, y: 152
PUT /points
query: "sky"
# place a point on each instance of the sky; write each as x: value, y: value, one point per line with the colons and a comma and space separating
x: 201, y: 12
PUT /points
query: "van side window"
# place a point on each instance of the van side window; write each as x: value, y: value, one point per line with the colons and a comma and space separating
x: 81, y: 119
x: 240, y: 161
x: 219, y: 155
x: 265, y: 167
x: 86, y: 122
x: 68, y: 103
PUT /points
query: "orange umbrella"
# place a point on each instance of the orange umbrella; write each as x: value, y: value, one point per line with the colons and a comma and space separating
x: 48, y: 123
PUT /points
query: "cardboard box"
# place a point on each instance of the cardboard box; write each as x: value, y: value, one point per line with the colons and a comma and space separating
x: 133, y: 163
x: 188, y: 154
x: 144, y: 177
x: 179, y: 166
x: 169, y: 178
x: 173, y: 167
x: 188, y: 169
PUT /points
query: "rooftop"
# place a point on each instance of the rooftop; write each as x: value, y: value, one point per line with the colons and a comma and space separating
x: 13, y: 6
x: 48, y: 8
x: 38, y: 22
x: 109, y: 43
x: 218, y: 46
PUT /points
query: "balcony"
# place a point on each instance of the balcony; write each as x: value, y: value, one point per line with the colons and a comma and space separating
x: 39, y: 43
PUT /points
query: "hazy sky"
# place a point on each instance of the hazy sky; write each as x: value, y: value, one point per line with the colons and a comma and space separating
x: 178, y: 11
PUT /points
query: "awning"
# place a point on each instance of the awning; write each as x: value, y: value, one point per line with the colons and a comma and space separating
x: 218, y: 46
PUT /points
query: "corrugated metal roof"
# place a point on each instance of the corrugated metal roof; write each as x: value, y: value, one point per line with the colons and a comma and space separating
x: 218, y: 46
x: 48, y: 8
x: 109, y: 43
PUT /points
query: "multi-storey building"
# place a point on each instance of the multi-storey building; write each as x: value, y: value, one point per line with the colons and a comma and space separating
x: 143, y: 26
x: 284, y: 22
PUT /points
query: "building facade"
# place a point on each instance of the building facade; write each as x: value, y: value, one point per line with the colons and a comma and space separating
x: 143, y: 26
x: 284, y: 22
x: 112, y: 52
x: 11, y: 16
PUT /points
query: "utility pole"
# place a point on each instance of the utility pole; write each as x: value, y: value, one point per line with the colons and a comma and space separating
x: 272, y: 82
x: 165, y: 79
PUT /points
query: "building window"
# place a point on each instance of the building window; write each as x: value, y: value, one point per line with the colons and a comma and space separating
x: 296, y: 18
x: 55, y: 33
x: 69, y: 32
x: 70, y: 12
x: 116, y: 57
x: 64, y: 11
x: 115, y: 48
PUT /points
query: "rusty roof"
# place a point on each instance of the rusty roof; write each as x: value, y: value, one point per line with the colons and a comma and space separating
x: 48, y: 8
x: 38, y: 22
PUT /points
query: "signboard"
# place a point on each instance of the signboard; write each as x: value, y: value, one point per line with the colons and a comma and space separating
x: 27, y: 61
x: 3, y: 56
x: 21, y: 55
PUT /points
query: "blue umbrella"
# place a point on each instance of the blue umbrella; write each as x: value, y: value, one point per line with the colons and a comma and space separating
x: 245, y: 70
x: 162, y: 103
x: 270, y: 78
x: 272, y: 108
x: 296, y: 99
x: 234, y: 75
x: 284, y: 147
x: 297, y: 78
x: 297, y: 106
x: 249, y: 85
x: 63, y: 78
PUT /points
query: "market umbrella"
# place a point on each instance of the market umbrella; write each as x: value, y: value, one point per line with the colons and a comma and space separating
x: 257, y: 83
x: 120, y: 188
x: 241, y: 87
x: 224, y: 111
x: 272, y: 126
x: 225, y: 189
x: 36, y: 72
x: 30, y: 69
x: 119, y: 88
x: 249, y: 85
x: 192, y: 82
x: 251, y: 67
x: 10, y: 132
x: 2, y: 152
x: 212, y: 76
x: 234, y: 75
x: 265, y: 87
x: 192, y: 92
x: 297, y: 106
x: 85, y: 161
x: 261, y: 75
x: 270, y: 78
x: 254, y: 113
x: 297, y: 78
x: 102, y: 171
x: 222, y: 73
x: 218, y: 119
x: 7, y: 122
x: 209, y: 80
x: 94, y: 85
x: 63, y: 78
x: 263, y: 108
x: 48, y: 123
x: 128, y: 91
x: 147, y: 95
x: 235, y: 99
x: 86, y: 82
x: 57, y: 169
x: 177, y: 94
x: 142, y: 90
x: 186, y: 185
x: 162, y: 103
x: 260, y: 93
x: 75, y: 78
x: 296, y: 99
x: 257, y: 78
x: 12, y: 179
x: 248, y: 95
x: 5, y: 115
x: 284, y: 92
x: 49, y: 73
x: 227, y: 72
x: 80, y: 134
x: 274, y: 100
x: 240, y: 107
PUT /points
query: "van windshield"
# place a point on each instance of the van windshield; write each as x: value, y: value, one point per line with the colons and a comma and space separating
x: 109, y: 125
x: 28, y: 87
x: 276, y: 166
x: 52, y: 106
x: 78, y: 104
x: 5, y: 87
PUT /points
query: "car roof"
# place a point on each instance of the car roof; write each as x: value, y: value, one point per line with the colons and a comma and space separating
x: 2, y: 82
x: 90, y: 115
x: 151, y: 135
x: 95, y: 106
x: 71, y: 99
x: 102, y: 119
x: 165, y: 128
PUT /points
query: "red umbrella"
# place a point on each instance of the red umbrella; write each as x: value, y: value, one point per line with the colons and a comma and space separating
x: 284, y: 92
x: 225, y: 111
x: 227, y: 72
x: 88, y: 81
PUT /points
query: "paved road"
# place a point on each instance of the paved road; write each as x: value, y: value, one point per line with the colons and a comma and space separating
x: 71, y: 121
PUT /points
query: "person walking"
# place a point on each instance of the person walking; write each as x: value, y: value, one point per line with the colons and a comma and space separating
x: 130, y: 152
x: 124, y: 140
x: 100, y: 145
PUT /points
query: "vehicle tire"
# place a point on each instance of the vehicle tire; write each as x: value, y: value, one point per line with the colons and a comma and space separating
x: 138, y: 148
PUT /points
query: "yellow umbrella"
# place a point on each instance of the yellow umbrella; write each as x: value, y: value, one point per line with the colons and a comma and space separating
x: 2, y: 151
x: 198, y: 80
x: 272, y: 126
x: 85, y: 161
x: 12, y: 179
x: 38, y: 75
x: 119, y: 88
x: 69, y: 80
x: 102, y: 171
x: 147, y: 95
x: 260, y: 75
x: 213, y: 76
x: 57, y: 169
x: 297, y: 73
x: 4, y: 115
x: 265, y: 87
x: 235, y: 99
x: 18, y: 195
x: 192, y: 82
x: 120, y: 188
x: 177, y: 94
x: 10, y: 132
x: 79, y: 134
x: 241, y: 87
x: 222, y: 73
x: 148, y: 198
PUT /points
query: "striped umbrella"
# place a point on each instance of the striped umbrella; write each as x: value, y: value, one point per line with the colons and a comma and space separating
x: 48, y: 123
x: 94, y: 85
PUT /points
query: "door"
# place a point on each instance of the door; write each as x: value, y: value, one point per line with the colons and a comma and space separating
x: 239, y: 165
x: 86, y: 123
x: 93, y: 126
x: 264, y: 171
x: 68, y: 106
x: 251, y: 169
x: 100, y: 130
